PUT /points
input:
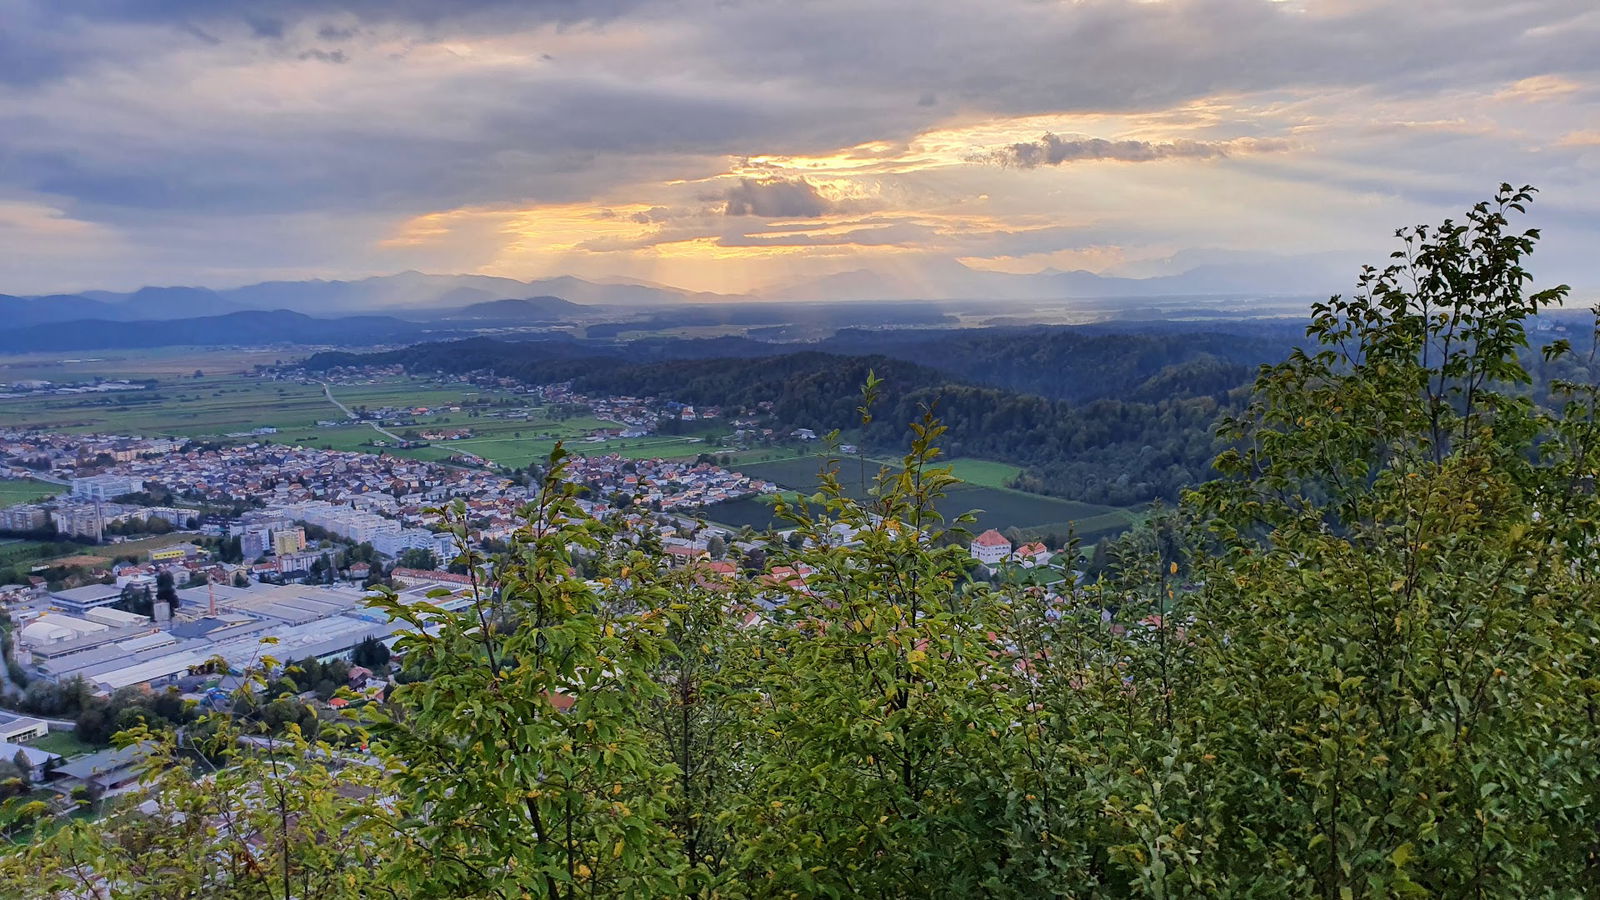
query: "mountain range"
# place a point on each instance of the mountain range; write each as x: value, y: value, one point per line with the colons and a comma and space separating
x: 944, y: 279
x: 420, y: 297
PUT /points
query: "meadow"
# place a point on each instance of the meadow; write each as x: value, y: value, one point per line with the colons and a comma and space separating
x: 156, y: 362
x: 26, y: 491
x: 228, y: 400
x: 996, y: 507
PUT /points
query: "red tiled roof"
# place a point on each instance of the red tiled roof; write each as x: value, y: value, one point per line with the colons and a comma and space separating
x: 991, y: 538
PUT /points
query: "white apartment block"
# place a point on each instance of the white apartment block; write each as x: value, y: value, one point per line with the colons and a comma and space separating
x: 105, y: 487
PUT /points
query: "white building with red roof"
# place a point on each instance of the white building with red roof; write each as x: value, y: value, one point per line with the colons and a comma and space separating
x: 1031, y: 554
x: 990, y: 548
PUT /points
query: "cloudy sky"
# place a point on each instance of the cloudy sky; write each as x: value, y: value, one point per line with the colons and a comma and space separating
x: 733, y: 145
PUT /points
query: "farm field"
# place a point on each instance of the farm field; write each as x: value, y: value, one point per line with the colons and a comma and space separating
x: 179, y: 407
x: 156, y: 362
x: 229, y: 399
x: 191, y: 407
x: 18, y: 551
x: 997, y: 507
x: 26, y: 491
x: 982, y: 472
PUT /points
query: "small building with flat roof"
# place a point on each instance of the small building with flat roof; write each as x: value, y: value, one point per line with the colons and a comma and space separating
x: 20, y: 729
x: 82, y: 599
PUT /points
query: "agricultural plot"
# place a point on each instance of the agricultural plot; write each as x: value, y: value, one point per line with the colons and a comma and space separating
x: 156, y: 362
x: 191, y: 407
x: 996, y: 507
x: 982, y: 472
x: 180, y: 407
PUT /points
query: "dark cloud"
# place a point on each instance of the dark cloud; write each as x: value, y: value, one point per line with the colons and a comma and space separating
x: 655, y: 215
x: 775, y: 198
x: 328, y: 56
x: 1053, y: 150
x: 124, y: 111
x: 264, y: 28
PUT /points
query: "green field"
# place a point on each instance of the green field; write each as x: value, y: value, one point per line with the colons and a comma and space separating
x: 178, y: 407
x: 997, y: 507
x: 20, y: 551
x: 156, y: 362
x: 26, y: 491
x: 982, y: 472
x: 228, y: 400
x: 65, y: 743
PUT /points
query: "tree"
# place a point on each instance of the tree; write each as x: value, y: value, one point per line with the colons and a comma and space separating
x: 371, y: 653
x: 717, y: 547
x: 135, y: 598
x: 167, y: 592
x: 418, y: 558
x: 568, y: 746
x: 1391, y: 604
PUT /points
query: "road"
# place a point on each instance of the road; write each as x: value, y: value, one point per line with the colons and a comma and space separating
x: 327, y: 392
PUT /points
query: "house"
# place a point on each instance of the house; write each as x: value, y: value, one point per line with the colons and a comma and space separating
x: 107, y: 770
x: 1031, y: 554
x: 16, y: 729
x: 990, y: 548
x: 680, y: 554
x: 39, y: 761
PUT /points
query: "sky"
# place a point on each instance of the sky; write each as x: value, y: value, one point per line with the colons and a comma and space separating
x: 739, y: 147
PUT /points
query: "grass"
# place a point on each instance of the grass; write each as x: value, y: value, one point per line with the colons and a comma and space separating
x: 65, y: 743
x: 228, y: 401
x: 145, y: 545
x: 18, y: 551
x: 156, y: 362
x: 996, y: 507
x: 13, y: 493
x: 983, y: 472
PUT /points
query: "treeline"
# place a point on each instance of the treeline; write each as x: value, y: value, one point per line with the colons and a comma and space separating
x: 96, y: 717
x: 1147, y: 445
x: 1080, y: 364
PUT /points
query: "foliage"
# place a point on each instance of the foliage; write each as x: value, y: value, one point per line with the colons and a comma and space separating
x: 1362, y: 663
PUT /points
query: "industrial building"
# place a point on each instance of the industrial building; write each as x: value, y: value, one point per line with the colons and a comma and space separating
x: 80, y: 600
x: 112, y: 649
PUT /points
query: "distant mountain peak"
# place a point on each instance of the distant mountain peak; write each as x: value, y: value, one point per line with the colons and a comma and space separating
x: 526, y: 309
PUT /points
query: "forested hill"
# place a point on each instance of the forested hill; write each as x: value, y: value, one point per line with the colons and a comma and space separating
x: 1079, y: 364
x: 1148, y: 443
